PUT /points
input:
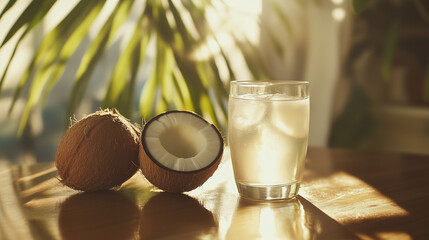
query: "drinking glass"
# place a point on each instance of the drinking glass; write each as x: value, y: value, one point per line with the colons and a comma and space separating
x: 268, y: 137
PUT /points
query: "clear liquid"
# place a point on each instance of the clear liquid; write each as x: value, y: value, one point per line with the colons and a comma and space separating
x: 268, y: 137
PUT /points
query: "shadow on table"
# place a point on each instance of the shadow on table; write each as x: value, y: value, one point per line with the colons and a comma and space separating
x: 402, y: 178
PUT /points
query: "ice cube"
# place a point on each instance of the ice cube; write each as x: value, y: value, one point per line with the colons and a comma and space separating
x: 291, y: 117
x: 248, y: 111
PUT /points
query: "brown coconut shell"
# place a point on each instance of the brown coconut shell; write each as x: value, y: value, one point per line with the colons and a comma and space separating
x: 171, y: 180
x: 98, y: 152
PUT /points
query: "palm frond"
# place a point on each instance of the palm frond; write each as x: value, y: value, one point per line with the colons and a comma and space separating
x: 253, y: 60
x: 95, y: 53
x: 8, y: 6
x: 58, y: 46
x: 180, y: 77
x: 30, y: 18
x: 120, y: 90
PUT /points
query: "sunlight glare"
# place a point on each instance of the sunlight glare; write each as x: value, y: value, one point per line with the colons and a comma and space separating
x: 267, y: 224
x: 336, y: 204
x: 206, y: 50
x: 249, y: 6
x: 393, y: 235
x: 338, y: 2
x: 187, y: 19
x: 338, y: 14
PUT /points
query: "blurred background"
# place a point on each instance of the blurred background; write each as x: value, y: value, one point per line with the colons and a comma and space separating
x: 367, y: 62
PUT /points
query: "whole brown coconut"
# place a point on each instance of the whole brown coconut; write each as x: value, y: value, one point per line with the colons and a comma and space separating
x: 98, y: 152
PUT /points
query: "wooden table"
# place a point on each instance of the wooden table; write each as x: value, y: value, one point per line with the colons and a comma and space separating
x: 346, y: 195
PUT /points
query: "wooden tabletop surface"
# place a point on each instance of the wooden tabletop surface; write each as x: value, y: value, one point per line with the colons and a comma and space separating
x: 345, y: 195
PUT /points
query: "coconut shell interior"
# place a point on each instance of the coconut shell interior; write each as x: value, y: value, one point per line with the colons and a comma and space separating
x: 172, y: 180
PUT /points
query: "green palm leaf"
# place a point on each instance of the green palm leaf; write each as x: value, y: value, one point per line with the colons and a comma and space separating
x: 182, y: 90
x: 95, y: 52
x: 183, y: 38
x: 179, y: 77
x: 253, y: 61
x: 8, y: 6
x: 35, y: 11
x: 190, y: 75
x: 30, y: 18
x: 120, y: 91
x: 150, y: 98
x: 56, y: 47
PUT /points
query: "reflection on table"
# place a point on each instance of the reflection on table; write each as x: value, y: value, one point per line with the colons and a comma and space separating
x: 345, y: 195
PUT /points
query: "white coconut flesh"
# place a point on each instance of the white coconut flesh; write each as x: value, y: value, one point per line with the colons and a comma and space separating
x: 182, y: 141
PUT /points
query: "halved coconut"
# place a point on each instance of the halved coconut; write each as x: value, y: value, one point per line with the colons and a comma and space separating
x: 179, y: 151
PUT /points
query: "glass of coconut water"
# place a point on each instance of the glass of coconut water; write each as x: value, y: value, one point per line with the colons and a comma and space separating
x: 268, y: 137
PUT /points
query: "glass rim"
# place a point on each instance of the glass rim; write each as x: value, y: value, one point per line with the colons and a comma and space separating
x: 269, y: 82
